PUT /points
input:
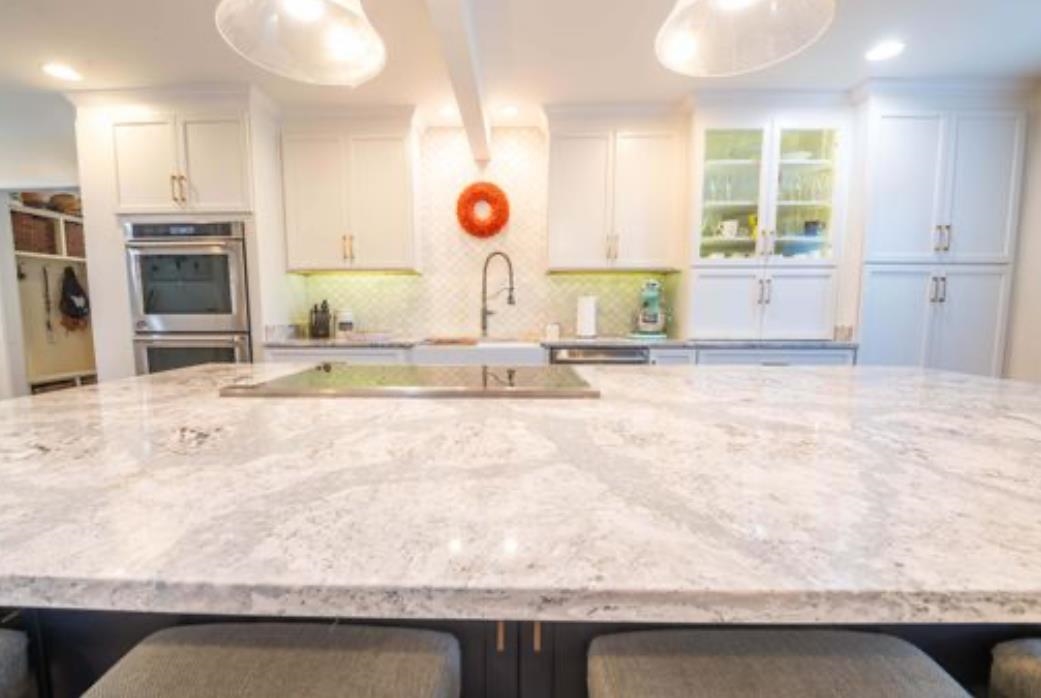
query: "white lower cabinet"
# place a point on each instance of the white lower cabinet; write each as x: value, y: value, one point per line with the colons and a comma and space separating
x: 672, y: 357
x: 756, y: 303
x: 366, y: 356
x: 776, y: 357
x: 946, y: 317
x: 488, y: 354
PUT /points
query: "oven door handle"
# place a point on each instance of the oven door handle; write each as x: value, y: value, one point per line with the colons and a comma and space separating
x: 209, y: 340
x: 181, y: 244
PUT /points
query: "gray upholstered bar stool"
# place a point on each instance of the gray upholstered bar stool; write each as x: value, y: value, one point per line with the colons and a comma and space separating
x: 752, y: 663
x: 15, y: 679
x: 275, y: 660
x: 1016, y: 672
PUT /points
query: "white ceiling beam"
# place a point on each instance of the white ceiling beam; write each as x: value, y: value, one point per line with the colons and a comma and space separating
x: 453, y: 23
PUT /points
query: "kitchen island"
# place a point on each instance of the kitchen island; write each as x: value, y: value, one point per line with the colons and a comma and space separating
x: 693, y: 495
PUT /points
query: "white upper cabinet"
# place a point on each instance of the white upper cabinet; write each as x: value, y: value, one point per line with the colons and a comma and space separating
x: 184, y: 162
x: 579, y: 201
x: 983, y: 194
x: 616, y: 195
x: 146, y: 164
x: 908, y: 186
x: 348, y: 198
x: 315, y: 187
x: 944, y: 186
x: 379, y: 202
x: 948, y: 317
x: 647, y: 204
x: 216, y: 165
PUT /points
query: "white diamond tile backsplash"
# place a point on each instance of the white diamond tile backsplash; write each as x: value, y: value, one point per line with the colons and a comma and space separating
x: 445, y: 300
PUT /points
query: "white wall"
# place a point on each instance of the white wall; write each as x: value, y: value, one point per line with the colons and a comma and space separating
x: 37, y: 141
x: 37, y: 151
x: 1024, y: 346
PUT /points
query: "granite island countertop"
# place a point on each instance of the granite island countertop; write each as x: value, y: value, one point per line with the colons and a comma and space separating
x: 685, y: 494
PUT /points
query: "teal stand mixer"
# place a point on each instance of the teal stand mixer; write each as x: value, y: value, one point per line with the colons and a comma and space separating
x: 651, y: 320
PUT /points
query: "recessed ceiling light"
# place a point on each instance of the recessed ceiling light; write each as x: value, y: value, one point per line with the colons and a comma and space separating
x: 885, y: 50
x: 509, y: 111
x: 62, y: 72
x: 449, y: 112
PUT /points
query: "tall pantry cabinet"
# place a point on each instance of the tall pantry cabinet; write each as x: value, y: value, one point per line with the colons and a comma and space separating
x: 944, y: 177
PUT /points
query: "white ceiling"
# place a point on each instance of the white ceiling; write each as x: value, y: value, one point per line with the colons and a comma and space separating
x: 530, y: 52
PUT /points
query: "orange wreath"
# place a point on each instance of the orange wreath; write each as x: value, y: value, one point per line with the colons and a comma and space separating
x: 487, y: 225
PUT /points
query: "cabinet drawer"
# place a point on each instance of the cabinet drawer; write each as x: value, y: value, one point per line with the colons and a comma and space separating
x: 776, y: 357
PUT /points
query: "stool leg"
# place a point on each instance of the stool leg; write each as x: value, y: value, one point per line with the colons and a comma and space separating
x: 39, y: 655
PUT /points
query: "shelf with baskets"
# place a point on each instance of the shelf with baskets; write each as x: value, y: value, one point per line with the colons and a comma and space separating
x: 44, y: 234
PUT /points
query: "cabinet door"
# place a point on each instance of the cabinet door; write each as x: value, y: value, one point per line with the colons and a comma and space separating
x: 732, y: 189
x: 315, y: 171
x: 380, y: 225
x: 646, y: 200
x: 146, y: 165
x: 984, y: 186
x: 216, y: 164
x: 579, y: 201
x: 971, y: 322
x: 907, y: 160
x: 897, y: 316
x: 799, y: 304
x: 726, y: 304
x: 803, y: 203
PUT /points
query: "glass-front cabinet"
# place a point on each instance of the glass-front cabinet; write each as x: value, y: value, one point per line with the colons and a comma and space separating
x: 768, y: 192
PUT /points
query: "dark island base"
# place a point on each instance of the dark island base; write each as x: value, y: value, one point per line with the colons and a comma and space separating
x: 499, y: 660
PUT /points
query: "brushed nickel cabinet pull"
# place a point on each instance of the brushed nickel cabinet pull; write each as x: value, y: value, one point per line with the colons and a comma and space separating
x: 943, y: 289
x: 938, y: 239
x: 769, y: 291
x: 184, y: 188
x: 537, y: 639
x: 947, y: 238
x: 934, y: 291
x: 500, y: 637
x: 173, y: 189
x: 762, y: 292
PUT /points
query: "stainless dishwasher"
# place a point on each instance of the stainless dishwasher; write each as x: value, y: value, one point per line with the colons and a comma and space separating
x: 600, y: 355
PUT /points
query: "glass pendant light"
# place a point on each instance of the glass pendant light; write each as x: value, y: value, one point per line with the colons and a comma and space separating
x: 323, y: 42
x: 722, y: 38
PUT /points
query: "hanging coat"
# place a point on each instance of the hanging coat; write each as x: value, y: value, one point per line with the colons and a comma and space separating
x: 74, y: 304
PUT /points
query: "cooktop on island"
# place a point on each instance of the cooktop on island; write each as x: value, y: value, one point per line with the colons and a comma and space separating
x: 345, y: 380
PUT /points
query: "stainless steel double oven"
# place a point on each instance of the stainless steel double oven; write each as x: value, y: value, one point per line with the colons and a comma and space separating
x: 188, y: 292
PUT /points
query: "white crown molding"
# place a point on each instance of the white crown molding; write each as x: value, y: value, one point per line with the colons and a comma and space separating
x: 103, y: 98
x: 802, y: 99
x: 1006, y: 89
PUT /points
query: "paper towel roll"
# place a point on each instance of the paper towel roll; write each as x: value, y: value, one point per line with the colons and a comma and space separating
x: 585, y: 324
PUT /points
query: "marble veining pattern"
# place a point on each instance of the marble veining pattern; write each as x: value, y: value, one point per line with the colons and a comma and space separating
x: 686, y: 494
